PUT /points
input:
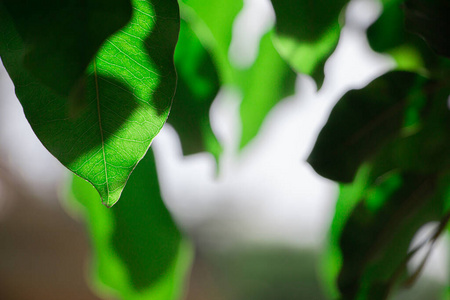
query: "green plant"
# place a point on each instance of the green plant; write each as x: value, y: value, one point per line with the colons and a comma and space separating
x: 97, y: 78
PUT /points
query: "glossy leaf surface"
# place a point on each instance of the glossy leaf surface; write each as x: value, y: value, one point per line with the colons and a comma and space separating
x: 129, y: 87
x: 197, y: 86
x: 138, y: 252
x: 60, y: 38
x: 359, y: 124
x: 308, y: 33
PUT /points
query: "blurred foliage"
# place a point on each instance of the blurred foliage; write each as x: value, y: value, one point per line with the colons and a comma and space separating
x: 362, y: 121
x: 308, y: 33
x: 264, y: 84
x: 429, y: 19
x: 394, y: 136
x: 388, y: 143
x: 198, y: 85
x: 138, y: 252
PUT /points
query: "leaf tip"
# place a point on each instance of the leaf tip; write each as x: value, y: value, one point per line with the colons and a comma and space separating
x: 111, y: 198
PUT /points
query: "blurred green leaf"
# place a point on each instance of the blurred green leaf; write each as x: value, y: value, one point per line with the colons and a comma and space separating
x: 212, y: 21
x: 129, y: 87
x: 389, y: 35
x: 377, y: 235
x: 264, y: 84
x: 60, y: 38
x: 360, y: 123
x: 425, y: 146
x: 429, y: 19
x: 198, y: 85
x: 308, y: 33
x: 349, y: 197
x: 401, y: 187
x: 138, y: 252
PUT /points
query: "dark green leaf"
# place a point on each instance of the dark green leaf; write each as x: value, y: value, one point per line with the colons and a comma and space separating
x: 198, y: 84
x: 377, y: 235
x: 429, y: 19
x: 129, y: 87
x: 138, y: 251
x: 60, y: 38
x: 424, y: 146
x: 389, y: 35
x: 360, y: 123
x: 264, y: 84
x: 308, y: 33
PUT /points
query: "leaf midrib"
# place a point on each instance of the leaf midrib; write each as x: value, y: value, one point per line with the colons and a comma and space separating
x: 101, y: 129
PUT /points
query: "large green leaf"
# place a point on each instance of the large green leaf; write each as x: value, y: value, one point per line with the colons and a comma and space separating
x: 308, y: 33
x: 129, y: 87
x: 429, y: 19
x: 198, y: 85
x: 264, y: 84
x: 360, y: 123
x: 138, y: 252
x: 60, y: 38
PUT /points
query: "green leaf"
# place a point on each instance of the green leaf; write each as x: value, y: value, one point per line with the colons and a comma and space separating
x: 420, y: 150
x: 138, y: 252
x: 429, y: 19
x: 308, y: 33
x: 264, y: 84
x: 197, y: 87
x: 349, y: 197
x: 360, y: 123
x: 129, y: 87
x: 389, y: 35
x: 377, y: 235
x: 60, y: 38
x: 213, y: 22
x: 424, y: 146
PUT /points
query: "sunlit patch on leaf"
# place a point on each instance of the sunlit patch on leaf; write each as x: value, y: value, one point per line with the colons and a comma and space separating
x: 129, y: 88
x: 308, y: 33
